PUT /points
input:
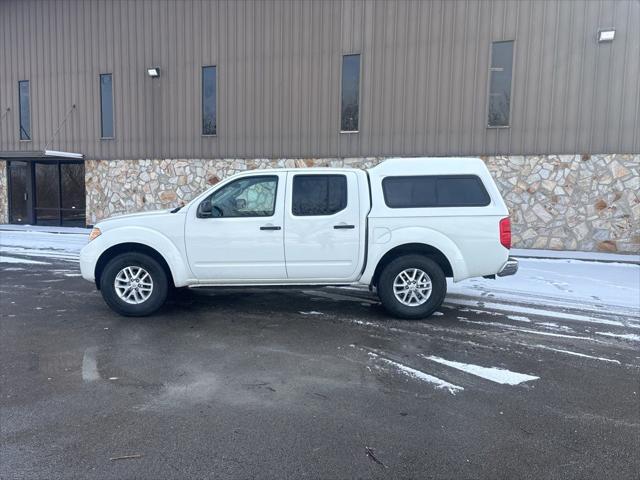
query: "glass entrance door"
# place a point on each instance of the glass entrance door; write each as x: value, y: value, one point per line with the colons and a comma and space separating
x: 47, y: 193
x: 60, y: 195
x: 19, y: 192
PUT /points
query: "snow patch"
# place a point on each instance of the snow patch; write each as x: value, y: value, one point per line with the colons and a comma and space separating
x: 624, y: 336
x: 548, y: 324
x: 4, y: 259
x: 526, y: 330
x: 563, y: 283
x: 519, y: 318
x: 494, y: 374
x: 90, y: 365
x: 44, y: 240
x: 534, y: 311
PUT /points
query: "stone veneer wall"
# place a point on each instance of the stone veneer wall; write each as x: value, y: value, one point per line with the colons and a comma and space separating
x: 4, y: 193
x: 561, y: 202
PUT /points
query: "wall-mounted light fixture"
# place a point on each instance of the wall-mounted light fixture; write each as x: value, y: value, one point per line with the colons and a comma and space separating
x: 606, y: 35
x: 153, y: 72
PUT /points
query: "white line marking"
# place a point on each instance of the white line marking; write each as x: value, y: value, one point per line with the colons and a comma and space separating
x: 576, y: 354
x: 417, y: 374
x: 494, y: 374
x: 312, y: 312
x: 518, y: 318
x: 90, y: 365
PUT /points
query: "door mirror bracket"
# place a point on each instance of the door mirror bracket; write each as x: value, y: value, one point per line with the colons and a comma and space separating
x: 204, y: 209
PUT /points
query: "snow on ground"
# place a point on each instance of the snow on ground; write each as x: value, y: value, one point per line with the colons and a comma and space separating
x: 562, y: 283
x: 36, y: 241
x: 4, y: 259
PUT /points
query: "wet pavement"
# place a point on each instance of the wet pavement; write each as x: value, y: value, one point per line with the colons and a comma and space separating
x: 303, y: 383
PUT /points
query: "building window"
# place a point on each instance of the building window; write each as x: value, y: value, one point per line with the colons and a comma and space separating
x: 106, y: 105
x: 435, y: 191
x: 25, y: 110
x: 500, y: 83
x: 319, y: 194
x: 208, y: 100
x: 349, y: 111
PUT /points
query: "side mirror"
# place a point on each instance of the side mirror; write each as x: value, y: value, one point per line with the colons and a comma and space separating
x: 204, y: 209
x: 241, y: 204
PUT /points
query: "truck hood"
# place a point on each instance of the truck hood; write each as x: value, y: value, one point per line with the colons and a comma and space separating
x: 139, y: 218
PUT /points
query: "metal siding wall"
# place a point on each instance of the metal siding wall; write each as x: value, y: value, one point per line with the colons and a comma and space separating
x: 423, y: 86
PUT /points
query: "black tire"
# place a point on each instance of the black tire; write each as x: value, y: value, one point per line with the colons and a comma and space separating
x: 158, y: 292
x: 393, y: 305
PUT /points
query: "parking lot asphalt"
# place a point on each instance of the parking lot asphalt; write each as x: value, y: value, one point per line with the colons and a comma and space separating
x: 303, y: 383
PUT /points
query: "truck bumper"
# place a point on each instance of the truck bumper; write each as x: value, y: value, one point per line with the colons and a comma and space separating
x: 88, y: 258
x: 509, y: 268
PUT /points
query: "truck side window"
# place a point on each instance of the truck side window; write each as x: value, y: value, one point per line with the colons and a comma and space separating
x: 319, y: 194
x: 435, y: 191
x: 245, y: 197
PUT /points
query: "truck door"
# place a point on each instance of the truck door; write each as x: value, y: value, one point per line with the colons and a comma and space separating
x: 321, y: 226
x: 236, y: 233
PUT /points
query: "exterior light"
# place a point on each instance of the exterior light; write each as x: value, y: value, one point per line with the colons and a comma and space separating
x: 95, y: 233
x: 153, y: 72
x: 606, y: 35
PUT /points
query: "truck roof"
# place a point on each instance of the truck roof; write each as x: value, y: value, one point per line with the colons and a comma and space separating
x: 429, y: 166
x: 404, y: 166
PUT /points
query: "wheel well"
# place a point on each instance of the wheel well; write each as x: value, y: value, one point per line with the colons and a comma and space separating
x: 409, y: 249
x: 129, y: 248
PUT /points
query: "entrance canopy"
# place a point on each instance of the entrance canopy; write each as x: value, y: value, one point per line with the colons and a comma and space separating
x: 32, y: 154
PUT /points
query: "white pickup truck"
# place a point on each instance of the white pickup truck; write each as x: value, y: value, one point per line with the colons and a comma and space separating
x: 400, y: 228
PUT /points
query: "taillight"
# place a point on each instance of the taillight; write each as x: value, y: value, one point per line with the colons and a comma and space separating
x: 505, y: 232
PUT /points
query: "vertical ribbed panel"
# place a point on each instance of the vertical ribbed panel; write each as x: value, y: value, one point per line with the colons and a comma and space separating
x: 423, y: 86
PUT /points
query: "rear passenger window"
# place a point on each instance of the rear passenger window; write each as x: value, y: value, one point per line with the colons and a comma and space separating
x: 319, y: 194
x: 435, y: 191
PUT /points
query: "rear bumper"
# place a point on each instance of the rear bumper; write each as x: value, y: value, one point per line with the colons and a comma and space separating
x: 509, y: 268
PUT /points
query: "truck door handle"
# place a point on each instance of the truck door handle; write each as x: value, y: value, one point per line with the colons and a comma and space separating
x: 343, y: 226
x: 270, y: 227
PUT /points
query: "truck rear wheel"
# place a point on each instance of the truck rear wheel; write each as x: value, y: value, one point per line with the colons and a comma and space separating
x: 412, y: 287
x: 134, y: 284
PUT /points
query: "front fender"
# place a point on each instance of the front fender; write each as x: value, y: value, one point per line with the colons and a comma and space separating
x: 385, y: 239
x: 149, y: 237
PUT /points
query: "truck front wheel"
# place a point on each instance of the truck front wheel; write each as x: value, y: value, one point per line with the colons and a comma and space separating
x: 412, y: 287
x: 134, y: 284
